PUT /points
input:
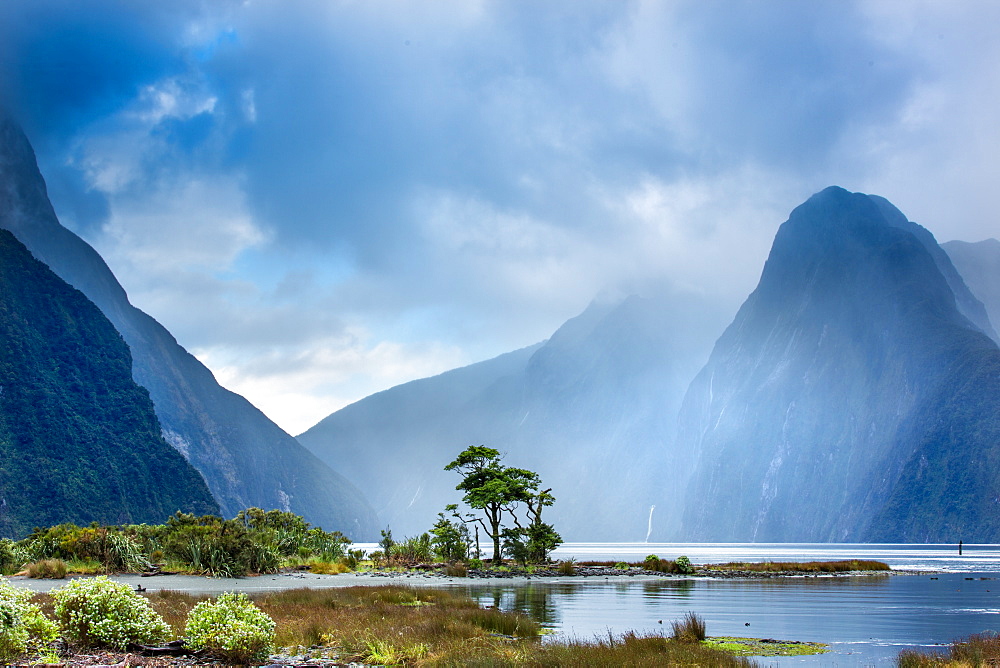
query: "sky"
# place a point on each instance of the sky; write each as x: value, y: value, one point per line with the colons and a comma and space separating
x: 321, y: 199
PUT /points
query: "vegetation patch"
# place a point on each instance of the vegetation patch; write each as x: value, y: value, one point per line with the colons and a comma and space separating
x: 389, y: 625
x: 764, y: 646
x: 845, y: 566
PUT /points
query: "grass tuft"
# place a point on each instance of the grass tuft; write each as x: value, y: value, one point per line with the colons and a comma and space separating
x: 48, y: 568
x: 566, y: 568
x: 328, y: 568
x: 690, y: 629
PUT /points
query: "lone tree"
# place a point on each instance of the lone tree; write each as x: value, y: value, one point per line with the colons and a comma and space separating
x: 493, y: 488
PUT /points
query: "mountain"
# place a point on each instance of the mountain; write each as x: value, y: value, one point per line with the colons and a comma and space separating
x: 79, y: 439
x: 245, y: 458
x: 979, y: 265
x: 855, y: 397
x: 591, y: 409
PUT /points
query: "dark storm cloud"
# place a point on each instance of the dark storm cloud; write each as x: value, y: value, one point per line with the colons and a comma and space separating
x: 450, y: 180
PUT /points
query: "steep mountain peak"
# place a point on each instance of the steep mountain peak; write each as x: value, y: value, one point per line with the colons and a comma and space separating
x: 836, y: 235
x: 814, y: 403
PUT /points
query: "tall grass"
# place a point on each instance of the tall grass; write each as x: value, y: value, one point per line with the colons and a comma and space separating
x: 981, y: 649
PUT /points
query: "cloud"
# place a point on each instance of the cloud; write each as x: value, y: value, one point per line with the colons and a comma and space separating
x: 300, y: 384
x: 362, y: 191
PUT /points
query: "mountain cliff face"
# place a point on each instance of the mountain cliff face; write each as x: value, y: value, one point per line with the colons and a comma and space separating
x: 245, y: 458
x: 852, y: 398
x: 979, y: 265
x: 79, y: 439
x: 591, y: 410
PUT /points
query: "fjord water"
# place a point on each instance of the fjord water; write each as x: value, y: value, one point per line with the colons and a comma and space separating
x: 865, y: 620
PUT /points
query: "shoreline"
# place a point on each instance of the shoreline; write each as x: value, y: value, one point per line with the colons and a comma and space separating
x: 202, y: 584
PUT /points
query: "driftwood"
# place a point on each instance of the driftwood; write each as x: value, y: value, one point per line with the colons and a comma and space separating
x: 172, y: 648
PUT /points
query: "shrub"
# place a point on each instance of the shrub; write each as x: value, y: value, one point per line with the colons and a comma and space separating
x: 48, y: 568
x: 232, y: 628
x: 412, y: 551
x: 684, y: 565
x: 621, y: 565
x: 99, y: 612
x: 22, y: 624
x: 474, y: 563
x: 567, y: 567
x: 450, y: 540
x: 689, y: 629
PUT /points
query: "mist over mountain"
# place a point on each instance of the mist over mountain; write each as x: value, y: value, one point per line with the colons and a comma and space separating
x: 79, y: 439
x: 245, y: 458
x: 979, y: 265
x: 591, y: 409
x: 852, y: 398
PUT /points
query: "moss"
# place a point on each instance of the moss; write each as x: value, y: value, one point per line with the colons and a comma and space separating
x: 764, y: 647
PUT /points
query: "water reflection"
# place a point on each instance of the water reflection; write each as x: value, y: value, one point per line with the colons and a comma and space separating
x: 866, y: 620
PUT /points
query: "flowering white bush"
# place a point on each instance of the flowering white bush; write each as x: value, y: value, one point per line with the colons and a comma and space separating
x: 232, y: 628
x: 23, y: 626
x: 97, y: 611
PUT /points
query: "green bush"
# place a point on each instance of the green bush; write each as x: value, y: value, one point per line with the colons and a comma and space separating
x: 232, y: 628
x: 12, y: 556
x: 450, y: 539
x: 684, y: 565
x: 23, y: 626
x: 102, y: 613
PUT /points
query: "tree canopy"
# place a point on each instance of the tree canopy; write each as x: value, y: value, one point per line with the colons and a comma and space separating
x: 496, y: 490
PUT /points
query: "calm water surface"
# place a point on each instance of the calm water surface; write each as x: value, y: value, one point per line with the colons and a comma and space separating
x: 865, y: 620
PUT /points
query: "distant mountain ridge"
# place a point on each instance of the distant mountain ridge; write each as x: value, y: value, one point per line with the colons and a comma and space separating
x: 79, y: 439
x: 245, y: 458
x: 829, y: 409
x: 979, y: 265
